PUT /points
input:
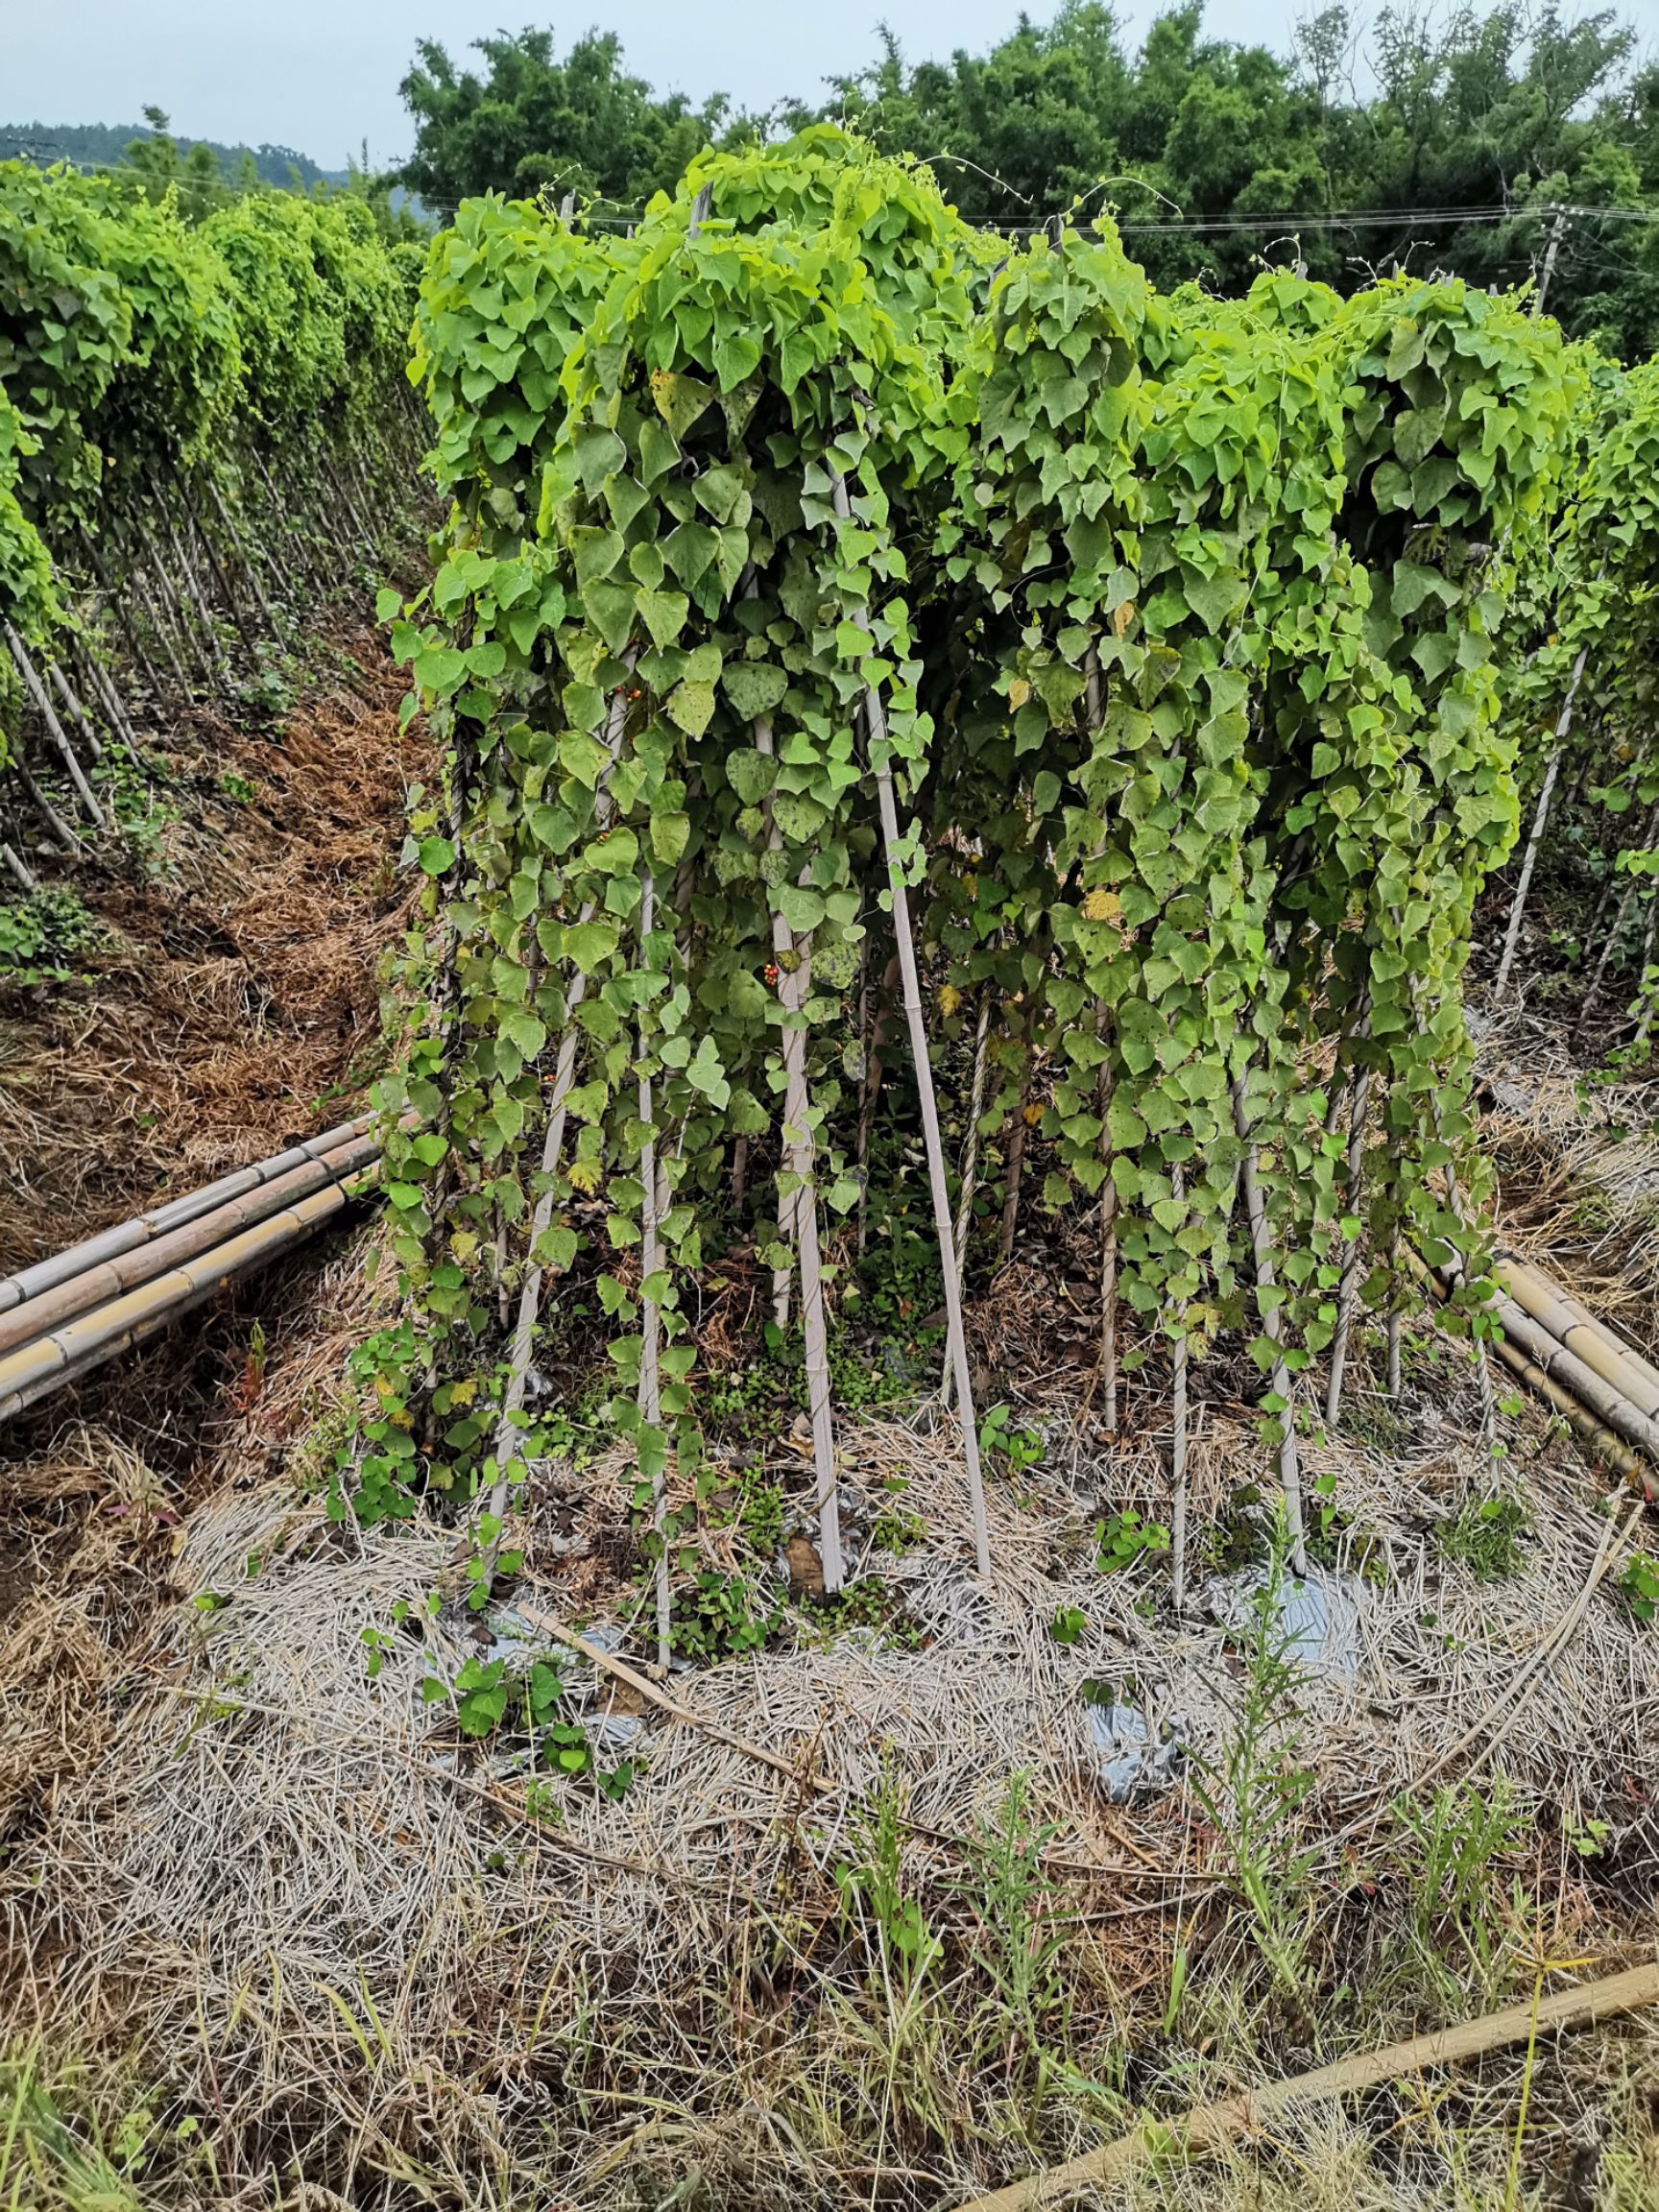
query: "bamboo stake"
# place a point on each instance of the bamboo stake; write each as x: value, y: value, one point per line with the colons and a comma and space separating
x: 113, y: 599
x: 160, y: 629
x: 248, y: 569
x: 36, y: 691
x: 1108, y: 1267
x: 92, y: 670
x: 1207, y: 2127
x: 75, y: 713
x: 1348, y: 1286
x: 26, y: 880
x: 193, y: 523
x: 1395, y: 1318
x: 970, y: 1162
x: 1178, y: 1423
x: 1272, y: 1328
x: 1488, y: 1407
x: 650, y: 1398
x: 739, y: 1173
x: 157, y: 586
x: 875, y: 723
x: 1541, y: 816
x: 43, y: 807
x: 794, y: 961
x: 564, y: 1078
x: 1641, y: 966
x: 1016, y: 1165
x: 193, y: 594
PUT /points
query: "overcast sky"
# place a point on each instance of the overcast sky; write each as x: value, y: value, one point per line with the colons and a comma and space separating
x: 322, y: 75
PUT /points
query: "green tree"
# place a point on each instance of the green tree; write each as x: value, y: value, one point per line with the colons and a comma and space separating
x: 534, y: 123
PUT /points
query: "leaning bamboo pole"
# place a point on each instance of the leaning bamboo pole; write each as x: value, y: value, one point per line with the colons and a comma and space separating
x: 880, y: 763
x: 1175, y: 2142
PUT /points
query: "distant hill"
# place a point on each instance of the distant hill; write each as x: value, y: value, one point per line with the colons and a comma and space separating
x: 102, y: 145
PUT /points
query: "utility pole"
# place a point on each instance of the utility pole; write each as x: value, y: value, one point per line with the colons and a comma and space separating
x: 1557, y: 229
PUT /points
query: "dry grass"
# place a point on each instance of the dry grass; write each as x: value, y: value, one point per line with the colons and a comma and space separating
x: 240, y: 986
x: 331, y: 1929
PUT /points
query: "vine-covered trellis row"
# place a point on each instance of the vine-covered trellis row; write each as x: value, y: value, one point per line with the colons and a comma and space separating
x: 200, y: 430
x: 1583, y: 690
x: 839, y: 603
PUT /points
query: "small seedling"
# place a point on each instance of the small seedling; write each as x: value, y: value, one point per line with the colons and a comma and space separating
x: 1020, y: 1448
x: 1067, y: 1624
x: 1639, y: 1586
x: 1122, y: 1538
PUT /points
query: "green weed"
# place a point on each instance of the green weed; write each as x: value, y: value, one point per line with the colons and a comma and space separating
x: 46, y: 937
x: 1486, y: 1535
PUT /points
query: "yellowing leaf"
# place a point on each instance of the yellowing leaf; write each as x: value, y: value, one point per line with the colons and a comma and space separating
x: 1019, y: 691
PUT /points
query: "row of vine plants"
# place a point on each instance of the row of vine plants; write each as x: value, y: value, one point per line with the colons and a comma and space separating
x: 851, y: 628
x: 200, y: 429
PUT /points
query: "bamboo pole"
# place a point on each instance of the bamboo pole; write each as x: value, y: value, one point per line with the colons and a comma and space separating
x: 36, y: 691
x: 68, y: 1354
x: 876, y: 723
x: 117, y: 604
x: 90, y: 666
x: 1015, y: 1166
x: 970, y: 1162
x: 564, y: 1079
x: 1272, y: 1328
x: 1396, y: 1380
x: 24, y: 877
x: 1609, y: 942
x: 43, y: 807
x: 1603, y: 1398
x: 1208, y: 2127
x: 650, y: 1397
x: 62, y: 1267
x: 1348, y: 1284
x: 1573, y: 1326
x: 1541, y: 816
x: 192, y: 595
x: 793, y: 958
x: 1178, y: 1427
x: 1613, y: 1449
x: 221, y: 574
x: 248, y: 569
x: 1108, y: 1269
x: 75, y: 713
x: 113, y: 1276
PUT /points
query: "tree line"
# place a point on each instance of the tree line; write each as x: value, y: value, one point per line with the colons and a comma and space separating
x: 1469, y: 143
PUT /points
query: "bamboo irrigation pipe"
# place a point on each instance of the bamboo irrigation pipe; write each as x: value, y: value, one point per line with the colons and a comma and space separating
x: 74, y: 1350
x: 1209, y: 2127
x: 47, y: 1274
x: 113, y: 1278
